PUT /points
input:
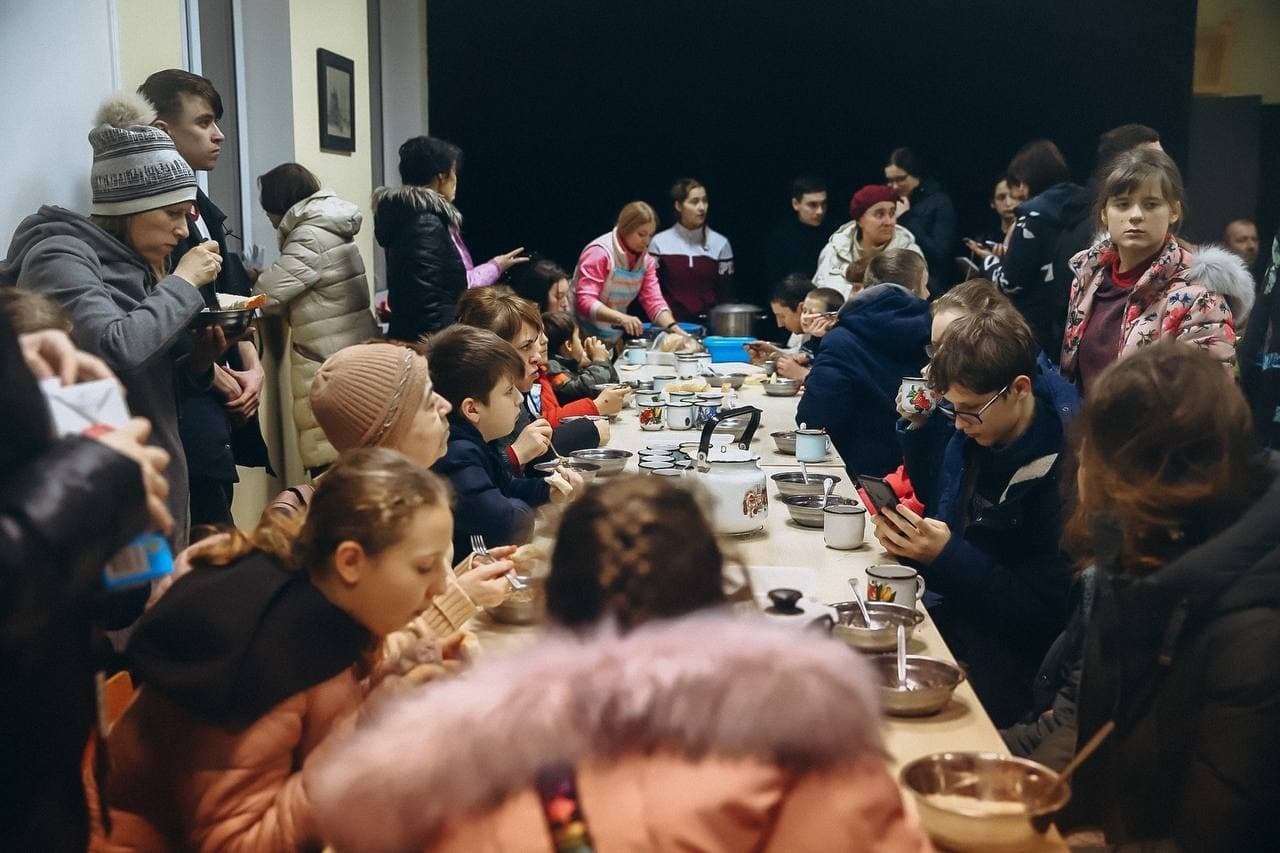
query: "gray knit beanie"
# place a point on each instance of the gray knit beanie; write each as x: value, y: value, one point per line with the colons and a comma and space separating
x: 136, y: 167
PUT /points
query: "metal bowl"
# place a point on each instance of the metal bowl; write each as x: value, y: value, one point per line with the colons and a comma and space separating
x: 586, y: 470
x: 234, y: 322
x: 981, y: 801
x: 793, y: 483
x: 885, y: 618
x: 610, y: 459
x: 781, y: 388
x: 806, y: 510
x: 523, y: 606
x: 785, y: 441
x: 639, y: 384
x: 608, y: 386
x: 733, y: 380
x: 572, y: 418
x: 930, y: 683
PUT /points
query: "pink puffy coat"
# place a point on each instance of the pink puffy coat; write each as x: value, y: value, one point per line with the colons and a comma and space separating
x: 1177, y: 298
x: 708, y: 733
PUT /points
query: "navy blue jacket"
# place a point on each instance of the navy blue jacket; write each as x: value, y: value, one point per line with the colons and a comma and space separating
x: 850, y: 392
x: 489, y: 501
x: 932, y: 221
x: 1034, y: 272
x: 924, y: 449
x: 1003, y: 579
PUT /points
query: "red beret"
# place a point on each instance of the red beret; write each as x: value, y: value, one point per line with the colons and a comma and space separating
x: 871, y: 194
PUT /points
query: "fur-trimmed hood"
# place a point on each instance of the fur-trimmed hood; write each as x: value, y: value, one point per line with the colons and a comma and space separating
x: 1222, y: 271
x: 707, y: 685
x: 415, y: 198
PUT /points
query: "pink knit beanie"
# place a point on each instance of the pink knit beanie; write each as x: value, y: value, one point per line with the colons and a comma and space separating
x: 368, y: 394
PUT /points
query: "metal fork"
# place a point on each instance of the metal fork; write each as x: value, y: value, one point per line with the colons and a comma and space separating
x: 482, y: 551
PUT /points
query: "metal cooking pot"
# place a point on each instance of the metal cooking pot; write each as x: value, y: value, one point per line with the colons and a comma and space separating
x: 734, y: 320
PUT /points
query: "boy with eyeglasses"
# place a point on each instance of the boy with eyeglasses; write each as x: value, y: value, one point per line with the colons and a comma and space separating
x: 989, y: 551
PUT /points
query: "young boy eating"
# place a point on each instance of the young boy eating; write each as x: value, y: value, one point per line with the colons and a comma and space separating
x: 478, y: 372
x: 575, y: 365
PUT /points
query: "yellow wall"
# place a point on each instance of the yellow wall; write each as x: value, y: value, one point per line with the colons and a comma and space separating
x: 342, y: 27
x: 150, y: 38
x: 1252, y: 67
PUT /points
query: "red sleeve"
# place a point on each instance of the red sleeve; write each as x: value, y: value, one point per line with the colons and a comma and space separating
x: 554, y: 412
x: 514, y: 461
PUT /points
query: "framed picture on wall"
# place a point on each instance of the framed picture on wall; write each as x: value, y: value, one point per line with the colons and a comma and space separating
x: 336, y: 78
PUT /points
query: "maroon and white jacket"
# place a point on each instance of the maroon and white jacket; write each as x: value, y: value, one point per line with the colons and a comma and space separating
x: 695, y: 269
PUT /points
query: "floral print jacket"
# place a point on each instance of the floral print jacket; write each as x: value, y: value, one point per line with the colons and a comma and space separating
x: 1167, y: 302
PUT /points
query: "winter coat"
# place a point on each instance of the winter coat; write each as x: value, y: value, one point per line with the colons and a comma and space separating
x: 1178, y: 297
x: 425, y: 274
x: 1003, y: 581
x: 1034, y: 271
x: 845, y: 246
x: 245, y: 670
x: 1049, y: 735
x: 318, y: 283
x: 214, y: 444
x: 573, y: 382
x: 66, y: 506
x: 879, y: 338
x: 710, y: 732
x: 488, y: 500
x: 1259, y: 355
x: 1184, y: 660
x: 932, y: 221
x: 121, y: 314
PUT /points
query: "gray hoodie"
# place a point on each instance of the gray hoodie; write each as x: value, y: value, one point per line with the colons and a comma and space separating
x: 122, y: 315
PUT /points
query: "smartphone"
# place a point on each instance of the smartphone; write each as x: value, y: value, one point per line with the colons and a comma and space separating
x: 876, y: 494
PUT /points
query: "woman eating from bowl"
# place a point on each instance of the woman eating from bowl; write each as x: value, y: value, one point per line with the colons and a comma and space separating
x: 109, y: 272
x: 633, y: 725
x: 872, y: 228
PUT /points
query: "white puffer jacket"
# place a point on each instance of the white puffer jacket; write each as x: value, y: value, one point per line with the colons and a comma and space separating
x: 843, y: 248
x: 318, y: 283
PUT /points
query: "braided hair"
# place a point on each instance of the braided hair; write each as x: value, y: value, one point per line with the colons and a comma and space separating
x: 634, y: 549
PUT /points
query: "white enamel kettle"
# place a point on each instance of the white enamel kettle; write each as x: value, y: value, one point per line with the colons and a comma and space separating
x: 733, y: 476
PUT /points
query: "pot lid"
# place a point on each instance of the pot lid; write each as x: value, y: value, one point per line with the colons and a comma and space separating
x: 735, y: 308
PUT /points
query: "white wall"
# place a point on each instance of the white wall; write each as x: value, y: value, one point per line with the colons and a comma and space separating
x: 404, y: 78
x: 57, y: 64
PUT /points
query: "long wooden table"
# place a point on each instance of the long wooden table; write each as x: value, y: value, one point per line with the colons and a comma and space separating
x: 785, y: 554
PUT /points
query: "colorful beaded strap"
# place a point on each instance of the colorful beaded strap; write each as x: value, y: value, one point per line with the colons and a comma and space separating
x: 558, y: 789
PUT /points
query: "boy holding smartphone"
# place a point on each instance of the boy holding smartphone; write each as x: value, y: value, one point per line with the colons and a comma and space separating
x: 991, y: 548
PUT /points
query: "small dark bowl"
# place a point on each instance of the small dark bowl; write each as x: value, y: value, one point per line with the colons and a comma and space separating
x: 234, y: 322
x: 587, y: 470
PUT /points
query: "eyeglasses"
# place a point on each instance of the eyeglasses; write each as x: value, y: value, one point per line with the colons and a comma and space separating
x: 945, y: 406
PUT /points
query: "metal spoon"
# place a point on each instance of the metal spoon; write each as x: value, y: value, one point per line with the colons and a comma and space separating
x: 804, y: 472
x: 902, y: 656
x: 862, y: 605
x: 827, y: 483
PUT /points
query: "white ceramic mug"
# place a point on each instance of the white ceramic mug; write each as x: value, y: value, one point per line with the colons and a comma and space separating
x: 914, y: 396
x: 661, y: 382
x: 655, y: 467
x: 811, y: 445
x: 651, y: 412
x: 680, y: 415
x: 895, y: 584
x: 634, y: 355
x: 843, y: 526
